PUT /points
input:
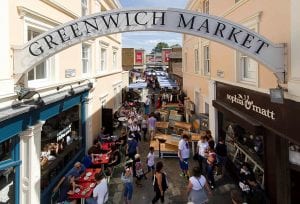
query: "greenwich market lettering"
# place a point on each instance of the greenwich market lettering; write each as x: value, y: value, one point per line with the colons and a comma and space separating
x: 105, y: 22
x: 249, y: 105
x: 172, y: 20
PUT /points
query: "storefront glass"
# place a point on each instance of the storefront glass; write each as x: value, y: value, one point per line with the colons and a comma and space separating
x: 7, y: 185
x: 60, y: 142
x: 9, y: 161
x: 244, y: 146
x: 6, y: 150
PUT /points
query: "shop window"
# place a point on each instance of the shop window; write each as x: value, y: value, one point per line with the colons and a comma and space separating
x: 242, y: 147
x: 294, y: 153
x: 6, y: 150
x: 60, y: 142
x: 9, y: 156
x: 7, y: 185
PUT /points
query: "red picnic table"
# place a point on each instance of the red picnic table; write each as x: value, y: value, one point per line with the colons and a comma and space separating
x: 85, y: 191
x: 101, y: 159
x: 89, y: 175
x: 106, y: 146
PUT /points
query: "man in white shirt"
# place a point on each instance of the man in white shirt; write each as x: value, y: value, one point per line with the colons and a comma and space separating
x: 184, y: 154
x: 147, y: 105
x: 202, y: 147
x: 100, y: 192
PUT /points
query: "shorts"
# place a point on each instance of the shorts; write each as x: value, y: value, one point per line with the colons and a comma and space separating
x: 184, y: 165
x: 128, y: 191
x: 150, y: 167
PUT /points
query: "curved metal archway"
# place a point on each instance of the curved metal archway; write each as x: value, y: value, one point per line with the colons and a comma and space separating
x: 172, y: 20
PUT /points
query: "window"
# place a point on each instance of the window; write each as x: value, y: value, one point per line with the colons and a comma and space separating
x: 114, y: 59
x: 206, y: 6
x: 103, y: 60
x: 248, y: 68
x: 9, y: 165
x: 39, y: 71
x: 197, y: 68
x: 84, y: 7
x: 206, y: 60
x: 86, y: 58
x: 115, y: 98
x: 185, y: 61
x: 197, y: 101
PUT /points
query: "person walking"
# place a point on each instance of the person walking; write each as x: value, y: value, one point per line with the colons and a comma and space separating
x: 100, y: 192
x: 127, y: 179
x: 150, y: 161
x: 198, y: 189
x: 202, y: 150
x: 152, y: 126
x: 184, y: 154
x: 132, y: 147
x: 147, y: 105
x: 221, y: 151
x: 160, y: 183
x: 144, y: 126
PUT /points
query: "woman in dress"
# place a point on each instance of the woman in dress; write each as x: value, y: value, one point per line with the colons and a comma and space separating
x: 198, y: 189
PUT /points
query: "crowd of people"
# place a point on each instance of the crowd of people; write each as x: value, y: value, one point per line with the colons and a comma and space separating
x: 140, y: 126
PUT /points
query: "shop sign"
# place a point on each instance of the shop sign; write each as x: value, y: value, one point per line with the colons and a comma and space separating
x: 246, y: 102
x: 64, y: 132
x: 139, y: 57
x: 207, y: 26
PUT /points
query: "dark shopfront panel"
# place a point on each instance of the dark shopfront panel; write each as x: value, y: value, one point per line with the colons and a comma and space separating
x: 11, y: 127
x: 251, y: 114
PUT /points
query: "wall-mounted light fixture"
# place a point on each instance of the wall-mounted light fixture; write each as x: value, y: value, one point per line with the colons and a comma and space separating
x: 25, y: 93
x: 90, y: 84
x: 277, y: 94
x: 71, y: 92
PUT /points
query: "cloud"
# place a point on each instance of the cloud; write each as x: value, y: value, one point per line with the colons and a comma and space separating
x: 148, y: 40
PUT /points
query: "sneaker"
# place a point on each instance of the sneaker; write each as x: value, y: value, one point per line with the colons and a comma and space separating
x: 182, y: 174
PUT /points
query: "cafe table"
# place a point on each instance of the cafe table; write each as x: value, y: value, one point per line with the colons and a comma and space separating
x: 106, y: 146
x: 89, y: 175
x: 101, y: 159
x: 84, y: 192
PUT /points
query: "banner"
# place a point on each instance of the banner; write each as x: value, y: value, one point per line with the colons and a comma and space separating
x: 138, y: 57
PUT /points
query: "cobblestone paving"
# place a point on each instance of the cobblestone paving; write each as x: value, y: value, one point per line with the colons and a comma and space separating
x: 176, y: 193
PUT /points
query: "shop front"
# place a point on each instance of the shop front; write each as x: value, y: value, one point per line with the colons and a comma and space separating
x: 259, y: 133
x: 39, y: 144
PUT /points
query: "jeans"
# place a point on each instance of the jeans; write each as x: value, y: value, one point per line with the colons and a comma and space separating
x: 210, y: 174
x: 128, y: 191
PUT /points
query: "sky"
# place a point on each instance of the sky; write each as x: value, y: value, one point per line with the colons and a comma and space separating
x: 148, y: 40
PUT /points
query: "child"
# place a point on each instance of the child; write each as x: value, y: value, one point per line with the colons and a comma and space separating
x: 150, y: 161
x: 138, y: 169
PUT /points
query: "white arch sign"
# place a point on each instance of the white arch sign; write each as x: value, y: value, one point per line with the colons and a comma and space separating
x: 172, y: 20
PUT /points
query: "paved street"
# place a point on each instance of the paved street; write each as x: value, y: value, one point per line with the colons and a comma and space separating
x: 177, y: 185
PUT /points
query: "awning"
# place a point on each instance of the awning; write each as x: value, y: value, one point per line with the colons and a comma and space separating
x: 240, y: 118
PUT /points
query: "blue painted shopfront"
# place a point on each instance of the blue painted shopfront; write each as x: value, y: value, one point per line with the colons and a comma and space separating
x: 12, y: 127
